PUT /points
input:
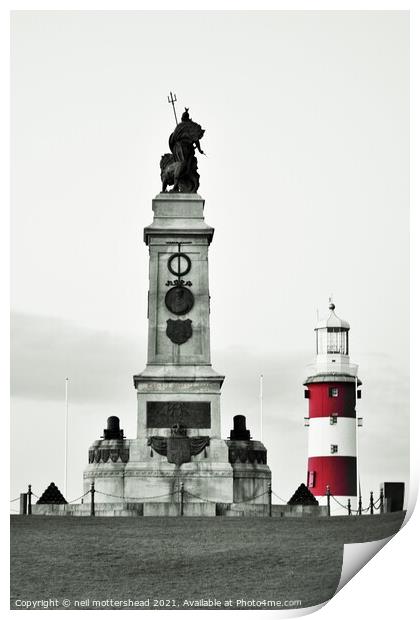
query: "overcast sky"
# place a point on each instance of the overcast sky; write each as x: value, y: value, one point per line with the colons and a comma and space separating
x: 306, y: 183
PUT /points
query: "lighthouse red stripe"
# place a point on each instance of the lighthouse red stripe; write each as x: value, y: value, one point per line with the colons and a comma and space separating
x: 322, y: 404
x: 339, y: 472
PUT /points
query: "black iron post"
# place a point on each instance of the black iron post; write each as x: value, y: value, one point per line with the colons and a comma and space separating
x: 349, y: 506
x: 328, y: 500
x: 92, y: 499
x: 182, y: 499
x: 270, y: 499
x: 371, y: 503
x: 359, y: 512
x: 381, y: 501
x: 29, y: 499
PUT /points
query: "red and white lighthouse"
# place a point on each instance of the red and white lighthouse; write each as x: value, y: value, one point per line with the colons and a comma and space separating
x: 332, y: 389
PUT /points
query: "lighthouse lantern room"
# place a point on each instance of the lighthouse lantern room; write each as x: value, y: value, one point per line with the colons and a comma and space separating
x: 332, y: 389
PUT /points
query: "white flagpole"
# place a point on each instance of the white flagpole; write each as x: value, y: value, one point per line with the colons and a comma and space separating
x: 66, y: 428
x: 261, y: 407
x: 357, y: 434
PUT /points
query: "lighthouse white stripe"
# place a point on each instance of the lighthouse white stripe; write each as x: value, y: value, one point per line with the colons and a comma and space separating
x: 322, y: 435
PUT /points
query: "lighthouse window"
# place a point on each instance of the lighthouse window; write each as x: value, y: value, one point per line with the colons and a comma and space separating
x: 337, y: 341
x: 333, y: 418
x: 333, y: 392
x: 334, y: 448
x: 311, y: 479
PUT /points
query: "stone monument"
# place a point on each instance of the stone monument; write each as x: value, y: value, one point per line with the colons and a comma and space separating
x: 179, y: 443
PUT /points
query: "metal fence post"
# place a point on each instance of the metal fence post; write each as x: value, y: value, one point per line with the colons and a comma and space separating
x: 182, y: 499
x: 381, y: 501
x: 270, y: 498
x: 92, y: 499
x: 349, y: 506
x: 371, y: 502
x: 359, y: 512
x: 328, y: 500
x: 29, y: 499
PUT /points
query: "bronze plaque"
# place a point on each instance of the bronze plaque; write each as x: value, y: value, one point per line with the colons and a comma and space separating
x: 179, y: 300
x: 189, y: 414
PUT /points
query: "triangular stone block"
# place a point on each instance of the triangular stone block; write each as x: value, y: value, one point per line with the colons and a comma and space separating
x: 302, y: 496
x: 51, y: 495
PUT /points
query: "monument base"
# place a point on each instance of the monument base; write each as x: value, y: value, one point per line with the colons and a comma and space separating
x: 178, y: 449
x: 160, y: 466
x: 148, y: 476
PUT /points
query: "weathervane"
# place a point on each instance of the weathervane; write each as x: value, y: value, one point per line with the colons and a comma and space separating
x: 172, y: 99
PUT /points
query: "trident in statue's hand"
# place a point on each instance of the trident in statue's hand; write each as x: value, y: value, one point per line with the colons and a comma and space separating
x: 172, y: 99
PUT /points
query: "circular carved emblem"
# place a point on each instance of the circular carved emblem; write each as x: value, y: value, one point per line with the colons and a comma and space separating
x: 179, y: 300
x: 179, y: 264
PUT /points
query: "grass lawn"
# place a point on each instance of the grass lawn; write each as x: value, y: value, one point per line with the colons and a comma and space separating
x: 178, y: 559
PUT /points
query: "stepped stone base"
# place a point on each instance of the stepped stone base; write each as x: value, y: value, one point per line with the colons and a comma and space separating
x: 122, y: 509
x: 191, y: 509
x: 277, y: 511
x: 126, y: 509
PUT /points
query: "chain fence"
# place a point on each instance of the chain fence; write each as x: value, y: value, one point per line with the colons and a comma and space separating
x: 245, y: 501
x: 278, y: 497
x: 135, y: 499
x: 339, y: 503
x: 77, y: 498
x: 181, y: 492
x: 373, y: 505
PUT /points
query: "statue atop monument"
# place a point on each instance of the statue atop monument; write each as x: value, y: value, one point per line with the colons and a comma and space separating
x: 179, y: 167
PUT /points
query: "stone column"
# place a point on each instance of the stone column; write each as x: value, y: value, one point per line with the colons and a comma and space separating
x: 178, y: 372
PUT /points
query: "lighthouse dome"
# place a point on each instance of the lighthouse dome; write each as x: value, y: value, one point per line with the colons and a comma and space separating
x: 332, y: 320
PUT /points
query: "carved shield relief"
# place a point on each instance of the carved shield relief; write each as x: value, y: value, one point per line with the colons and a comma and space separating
x: 179, y: 450
x: 179, y: 331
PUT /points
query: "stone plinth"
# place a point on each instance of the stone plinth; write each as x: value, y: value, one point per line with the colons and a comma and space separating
x: 251, y: 474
